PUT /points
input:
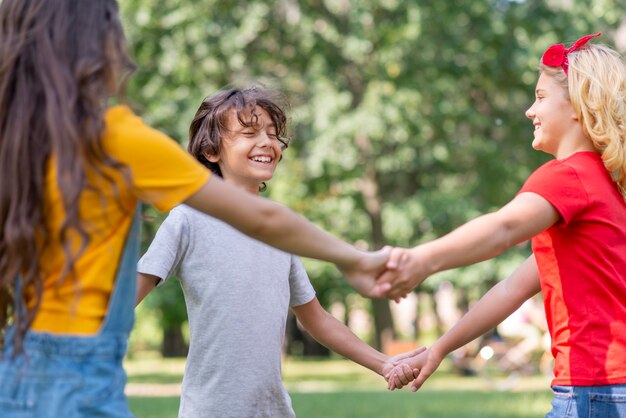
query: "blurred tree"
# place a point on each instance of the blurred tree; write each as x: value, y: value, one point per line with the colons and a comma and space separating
x: 408, y: 117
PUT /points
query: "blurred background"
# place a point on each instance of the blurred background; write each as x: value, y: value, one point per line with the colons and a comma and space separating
x: 406, y: 118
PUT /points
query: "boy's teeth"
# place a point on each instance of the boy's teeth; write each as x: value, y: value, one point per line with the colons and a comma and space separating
x: 262, y: 159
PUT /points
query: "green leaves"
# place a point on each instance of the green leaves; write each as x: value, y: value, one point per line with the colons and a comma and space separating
x: 423, y: 100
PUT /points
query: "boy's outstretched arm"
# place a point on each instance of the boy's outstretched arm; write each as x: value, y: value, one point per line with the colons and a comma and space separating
x: 495, y: 306
x: 145, y: 283
x: 333, y: 334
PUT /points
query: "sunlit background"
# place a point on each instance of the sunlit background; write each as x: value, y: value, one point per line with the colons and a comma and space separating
x: 407, y: 119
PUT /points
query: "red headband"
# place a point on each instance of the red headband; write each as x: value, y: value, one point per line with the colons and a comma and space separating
x: 556, y: 55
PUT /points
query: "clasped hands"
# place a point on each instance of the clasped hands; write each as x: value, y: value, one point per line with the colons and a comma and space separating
x: 390, y: 273
x: 414, y: 366
x: 393, y: 273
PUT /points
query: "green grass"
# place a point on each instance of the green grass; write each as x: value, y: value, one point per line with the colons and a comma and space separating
x: 154, y: 407
x: 341, y: 389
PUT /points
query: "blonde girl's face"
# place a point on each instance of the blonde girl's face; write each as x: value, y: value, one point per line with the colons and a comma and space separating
x: 552, y: 115
x: 249, y: 154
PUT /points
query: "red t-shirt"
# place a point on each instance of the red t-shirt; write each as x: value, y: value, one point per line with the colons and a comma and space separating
x: 582, y: 265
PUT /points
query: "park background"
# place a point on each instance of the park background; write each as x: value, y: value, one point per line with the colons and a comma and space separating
x: 407, y: 119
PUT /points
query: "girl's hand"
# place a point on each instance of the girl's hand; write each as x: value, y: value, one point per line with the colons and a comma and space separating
x: 430, y: 361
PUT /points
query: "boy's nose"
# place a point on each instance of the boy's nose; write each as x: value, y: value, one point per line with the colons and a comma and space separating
x: 264, y: 139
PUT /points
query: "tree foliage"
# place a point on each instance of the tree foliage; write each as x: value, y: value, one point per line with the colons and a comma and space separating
x: 407, y: 116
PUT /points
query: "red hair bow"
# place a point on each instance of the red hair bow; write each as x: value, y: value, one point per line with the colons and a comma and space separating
x: 556, y: 55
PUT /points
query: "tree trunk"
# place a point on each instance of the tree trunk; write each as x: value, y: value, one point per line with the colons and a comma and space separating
x: 418, y: 317
x: 438, y: 321
x: 174, y: 344
x: 347, y: 310
x: 383, y: 319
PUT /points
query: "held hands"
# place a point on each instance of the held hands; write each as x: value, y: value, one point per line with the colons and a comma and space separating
x: 363, y: 275
x: 389, y: 273
x: 397, y: 367
x: 405, y: 269
x: 422, y: 365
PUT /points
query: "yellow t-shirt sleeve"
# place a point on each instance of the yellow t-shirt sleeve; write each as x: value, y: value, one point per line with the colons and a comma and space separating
x: 163, y: 174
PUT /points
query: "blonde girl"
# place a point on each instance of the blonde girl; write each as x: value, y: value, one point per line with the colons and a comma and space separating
x: 574, y: 211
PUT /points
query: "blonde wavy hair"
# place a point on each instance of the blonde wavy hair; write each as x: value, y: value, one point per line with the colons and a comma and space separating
x: 596, y: 86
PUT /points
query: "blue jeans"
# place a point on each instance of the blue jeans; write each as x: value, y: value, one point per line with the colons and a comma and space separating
x: 67, y: 377
x: 588, y: 402
x: 61, y: 376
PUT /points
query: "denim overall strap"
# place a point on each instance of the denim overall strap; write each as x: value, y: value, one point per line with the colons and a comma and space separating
x: 73, y: 376
x: 121, y: 311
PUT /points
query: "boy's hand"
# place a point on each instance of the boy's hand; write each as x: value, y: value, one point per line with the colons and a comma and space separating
x: 399, y: 368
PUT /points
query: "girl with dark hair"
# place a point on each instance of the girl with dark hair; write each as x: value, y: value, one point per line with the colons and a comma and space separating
x: 72, y: 170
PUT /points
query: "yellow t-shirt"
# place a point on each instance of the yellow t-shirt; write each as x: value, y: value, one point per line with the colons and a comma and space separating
x: 162, y: 173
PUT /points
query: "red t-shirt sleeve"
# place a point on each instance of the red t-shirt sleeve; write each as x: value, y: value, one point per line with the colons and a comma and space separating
x: 560, y: 185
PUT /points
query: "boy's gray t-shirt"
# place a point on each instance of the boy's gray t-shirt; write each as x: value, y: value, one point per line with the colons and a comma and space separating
x: 238, y: 292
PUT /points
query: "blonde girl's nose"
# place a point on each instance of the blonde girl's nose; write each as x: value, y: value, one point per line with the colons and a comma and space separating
x: 530, y: 113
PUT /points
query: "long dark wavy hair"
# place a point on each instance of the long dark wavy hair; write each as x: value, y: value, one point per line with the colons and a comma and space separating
x: 210, y: 123
x: 60, y: 62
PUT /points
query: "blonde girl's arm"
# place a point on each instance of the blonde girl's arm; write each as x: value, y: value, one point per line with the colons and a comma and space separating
x: 282, y: 228
x: 479, y: 239
x: 495, y: 306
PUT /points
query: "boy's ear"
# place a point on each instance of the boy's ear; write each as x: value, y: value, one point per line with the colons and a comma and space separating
x: 212, y: 158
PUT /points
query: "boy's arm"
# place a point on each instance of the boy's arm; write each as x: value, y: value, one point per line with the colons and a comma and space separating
x: 497, y: 304
x: 330, y: 332
x: 145, y: 283
x: 333, y: 334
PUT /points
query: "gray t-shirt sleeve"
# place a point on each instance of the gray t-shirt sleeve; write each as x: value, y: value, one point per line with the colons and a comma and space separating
x: 301, y: 289
x: 168, y: 247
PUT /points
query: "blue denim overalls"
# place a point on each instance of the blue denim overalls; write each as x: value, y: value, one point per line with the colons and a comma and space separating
x: 68, y: 376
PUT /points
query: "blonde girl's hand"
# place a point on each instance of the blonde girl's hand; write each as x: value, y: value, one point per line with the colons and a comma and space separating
x: 406, y: 268
x: 362, y: 274
x: 429, y: 361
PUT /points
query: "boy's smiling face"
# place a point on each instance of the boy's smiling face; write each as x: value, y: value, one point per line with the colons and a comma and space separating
x: 249, y: 154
